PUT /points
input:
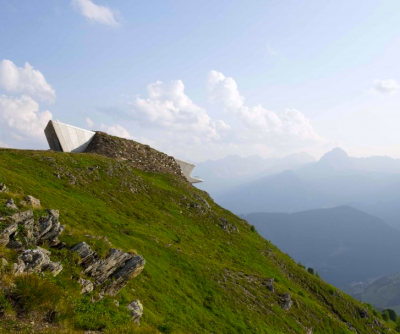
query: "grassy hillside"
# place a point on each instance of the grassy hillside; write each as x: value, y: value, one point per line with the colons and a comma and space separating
x: 198, y: 277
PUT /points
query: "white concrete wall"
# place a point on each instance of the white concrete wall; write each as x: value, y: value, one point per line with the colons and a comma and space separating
x: 187, y: 169
x: 67, y: 138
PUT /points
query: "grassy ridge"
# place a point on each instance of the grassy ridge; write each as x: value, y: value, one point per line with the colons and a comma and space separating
x: 198, y: 278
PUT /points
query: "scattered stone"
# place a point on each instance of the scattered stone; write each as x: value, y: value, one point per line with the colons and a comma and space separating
x: 36, y: 261
x: 309, y: 331
x: 3, y: 188
x: 286, y: 301
x: 227, y: 226
x: 32, y: 201
x: 116, y: 302
x: 351, y: 327
x: 270, y: 284
x: 364, y: 314
x: 87, y: 286
x: 11, y: 205
x: 136, y: 309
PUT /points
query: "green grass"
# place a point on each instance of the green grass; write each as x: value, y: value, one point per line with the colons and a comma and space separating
x: 198, y: 278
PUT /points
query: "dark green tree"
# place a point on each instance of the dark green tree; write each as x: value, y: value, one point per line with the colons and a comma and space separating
x: 311, y: 271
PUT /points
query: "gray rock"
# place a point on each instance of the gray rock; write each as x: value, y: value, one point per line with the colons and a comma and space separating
x: 36, y: 261
x: 132, y: 268
x: 364, y: 314
x: 270, y: 284
x: 86, y: 254
x: 227, y: 226
x: 87, y: 286
x: 112, y: 272
x: 3, y: 188
x: 48, y: 229
x: 20, y: 217
x: 11, y: 205
x: 44, y: 231
x: 7, y: 232
x: 136, y: 310
x: 32, y: 201
x: 102, y: 269
x: 286, y: 302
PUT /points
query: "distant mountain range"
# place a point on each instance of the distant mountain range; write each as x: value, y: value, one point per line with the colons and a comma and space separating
x: 370, y: 184
x: 343, y: 244
x: 225, y: 174
x: 383, y: 292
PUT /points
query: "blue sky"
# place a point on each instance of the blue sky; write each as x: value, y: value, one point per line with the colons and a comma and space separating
x: 226, y: 77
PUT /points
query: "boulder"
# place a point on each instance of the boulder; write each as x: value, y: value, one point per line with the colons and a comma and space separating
x: 136, y: 310
x: 286, y: 302
x: 114, y: 271
x: 132, y: 268
x: 270, y: 284
x: 227, y: 226
x: 87, y: 286
x: 3, y: 188
x: 86, y: 254
x: 11, y: 205
x: 36, y: 261
x: 32, y: 201
x: 102, y: 269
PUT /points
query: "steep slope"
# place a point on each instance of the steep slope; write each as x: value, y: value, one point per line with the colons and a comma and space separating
x: 207, y: 271
x: 343, y: 244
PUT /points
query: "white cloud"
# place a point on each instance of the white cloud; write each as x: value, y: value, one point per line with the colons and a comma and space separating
x: 386, y: 87
x: 168, y: 107
x: 3, y: 145
x: 89, y: 122
x: 22, y: 118
x: 260, y: 124
x: 116, y: 130
x: 25, y: 80
x: 95, y: 13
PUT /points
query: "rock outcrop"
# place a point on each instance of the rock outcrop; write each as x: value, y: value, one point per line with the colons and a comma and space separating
x: 136, y: 310
x: 3, y: 188
x: 227, y: 226
x: 286, y: 301
x: 140, y: 156
x: 23, y: 231
x: 87, y: 286
x: 36, y: 261
x: 114, y: 271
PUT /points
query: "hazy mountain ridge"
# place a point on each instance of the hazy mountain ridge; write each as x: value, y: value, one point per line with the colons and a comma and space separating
x: 336, y: 179
x: 225, y: 174
x: 343, y: 244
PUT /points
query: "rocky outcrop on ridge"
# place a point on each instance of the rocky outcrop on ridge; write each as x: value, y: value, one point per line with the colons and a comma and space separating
x: 24, y: 233
x: 140, y: 156
x: 113, y: 272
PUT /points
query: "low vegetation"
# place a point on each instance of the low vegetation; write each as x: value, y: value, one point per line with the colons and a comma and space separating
x: 206, y: 269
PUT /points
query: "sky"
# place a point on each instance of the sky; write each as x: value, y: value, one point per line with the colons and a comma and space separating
x: 204, y: 79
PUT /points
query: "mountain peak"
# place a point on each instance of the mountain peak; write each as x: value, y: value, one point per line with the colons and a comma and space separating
x: 336, y: 158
